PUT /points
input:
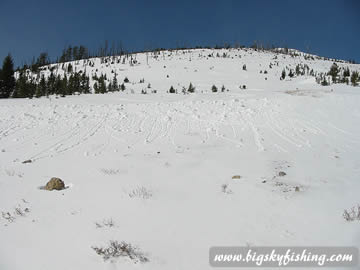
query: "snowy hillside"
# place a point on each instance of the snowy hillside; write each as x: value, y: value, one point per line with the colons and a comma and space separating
x: 202, y: 67
x: 273, y: 164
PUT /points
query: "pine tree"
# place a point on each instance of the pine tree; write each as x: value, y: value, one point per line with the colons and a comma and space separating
x: 324, y: 82
x: 21, y: 86
x: 41, y: 88
x: 7, y: 79
x: 110, y: 87
x: 214, y: 88
x: 51, y: 83
x: 291, y: 74
x: 354, y: 78
x: 191, y: 88
x: 115, y: 85
x: 102, y: 84
x: 334, y: 70
x: 64, y: 86
x: 283, y: 74
x: 172, y: 90
x: 57, y: 86
x: 69, y: 68
x: 1, y: 82
x: 96, y: 88
x: 85, y: 84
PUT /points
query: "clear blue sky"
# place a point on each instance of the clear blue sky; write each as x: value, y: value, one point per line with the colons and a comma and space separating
x: 328, y: 28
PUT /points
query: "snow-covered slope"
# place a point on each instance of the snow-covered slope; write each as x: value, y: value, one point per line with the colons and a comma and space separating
x: 203, y: 68
x: 157, y: 170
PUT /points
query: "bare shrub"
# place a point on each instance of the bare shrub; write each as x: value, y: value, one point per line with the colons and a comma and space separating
x: 352, y: 214
x: 105, y: 223
x: 8, y: 216
x: 122, y: 249
x: 18, y: 211
x: 225, y: 189
x: 140, y: 192
x: 110, y: 171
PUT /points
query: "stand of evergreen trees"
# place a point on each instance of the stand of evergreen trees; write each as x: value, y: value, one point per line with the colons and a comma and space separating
x: 28, y: 86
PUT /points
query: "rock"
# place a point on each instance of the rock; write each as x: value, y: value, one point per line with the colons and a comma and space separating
x: 282, y: 173
x: 27, y: 161
x: 55, y: 183
x: 236, y: 177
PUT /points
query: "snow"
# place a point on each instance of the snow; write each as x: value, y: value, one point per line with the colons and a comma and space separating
x: 155, y: 164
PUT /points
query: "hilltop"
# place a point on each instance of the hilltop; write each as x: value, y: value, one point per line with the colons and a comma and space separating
x: 157, y: 71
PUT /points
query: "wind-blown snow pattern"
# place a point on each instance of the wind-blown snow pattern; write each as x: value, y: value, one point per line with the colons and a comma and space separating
x: 160, y: 166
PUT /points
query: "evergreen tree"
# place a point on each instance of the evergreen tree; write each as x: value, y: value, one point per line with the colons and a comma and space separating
x: 191, y: 88
x: 85, y: 84
x: 7, y: 79
x: 347, y: 72
x: 354, y: 78
x: 110, y: 87
x: 291, y: 74
x: 334, y: 70
x: 51, y: 83
x: 214, y: 88
x: 115, y: 84
x: 283, y: 74
x: 1, y: 82
x: 57, y: 86
x: 102, y: 84
x: 96, y: 88
x: 41, y: 88
x: 64, y: 86
x: 69, y: 68
x: 21, y: 86
x: 30, y: 88
x: 324, y: 82
x: 172, y: 90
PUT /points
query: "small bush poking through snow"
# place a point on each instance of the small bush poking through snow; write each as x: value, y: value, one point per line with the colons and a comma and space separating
x: 225, y: 189
x: 140, y: 192
x: 191, y: 88
x: 214, y: 88
x: 172, y: 90
x: 352, y: 214
x: 122, y: 249
x: 110, y: 171
x: 105, y: 223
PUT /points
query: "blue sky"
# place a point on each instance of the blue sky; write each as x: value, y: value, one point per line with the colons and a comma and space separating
x: 327, y: 28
